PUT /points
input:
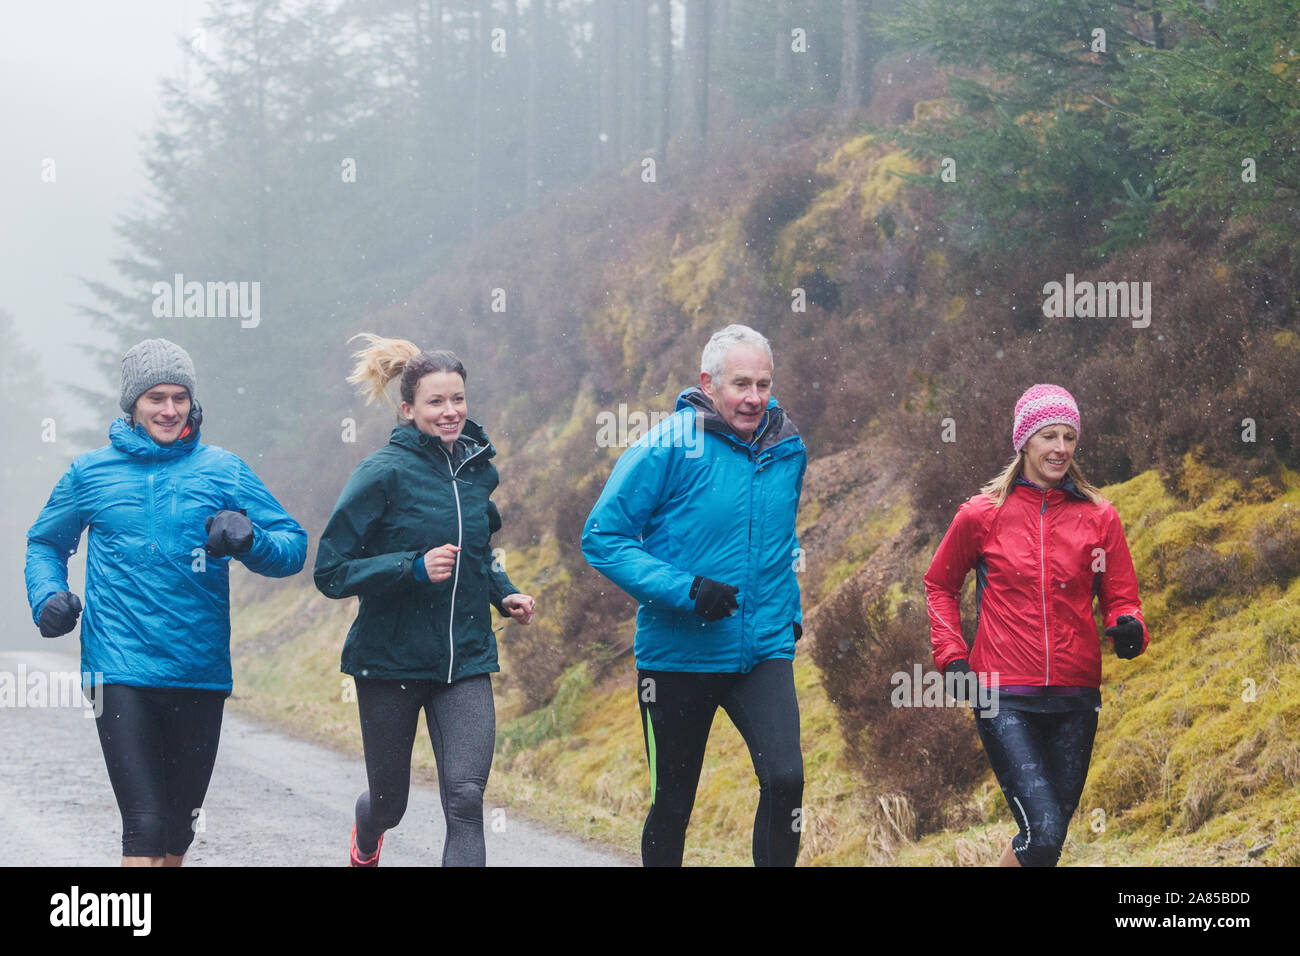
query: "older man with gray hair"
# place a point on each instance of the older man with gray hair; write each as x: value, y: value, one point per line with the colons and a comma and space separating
x: 706, y: 543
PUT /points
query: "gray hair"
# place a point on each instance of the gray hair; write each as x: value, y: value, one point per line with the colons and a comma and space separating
x: 714, y: 359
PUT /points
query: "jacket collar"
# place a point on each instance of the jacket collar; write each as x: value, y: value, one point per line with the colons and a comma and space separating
x: 472, y: 440
x: 774, y: 427
x: 137, y: 443
x: 1066, y: 486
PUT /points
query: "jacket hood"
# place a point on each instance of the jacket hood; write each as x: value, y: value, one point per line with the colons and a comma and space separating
x: 775, y: 426
x: 472, y: 436
x: 137, y: 443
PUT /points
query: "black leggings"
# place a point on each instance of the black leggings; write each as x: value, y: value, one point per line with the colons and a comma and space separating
x: 676, y: 713
x: 1041, y: 762
x: 159, y: 746
x: 462, y: 727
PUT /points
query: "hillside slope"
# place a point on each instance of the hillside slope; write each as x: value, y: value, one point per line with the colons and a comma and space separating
x: 1196, y: 758
x: 899, y: 352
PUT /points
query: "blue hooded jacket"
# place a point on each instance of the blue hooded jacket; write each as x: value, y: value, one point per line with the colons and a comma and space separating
x: 691, y: 498
x: 157, y: 606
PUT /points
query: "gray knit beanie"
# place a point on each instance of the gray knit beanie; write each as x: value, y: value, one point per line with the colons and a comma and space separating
x: 154, y: 362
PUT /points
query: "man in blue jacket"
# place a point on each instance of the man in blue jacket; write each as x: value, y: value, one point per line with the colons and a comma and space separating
x: 697, y: 522
x: 166, y: 514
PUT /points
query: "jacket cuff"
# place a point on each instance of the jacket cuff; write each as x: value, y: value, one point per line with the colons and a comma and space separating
x: 418, y: 570
x: 945, y: 655
x: 40, y: 606
x: 258, y: 549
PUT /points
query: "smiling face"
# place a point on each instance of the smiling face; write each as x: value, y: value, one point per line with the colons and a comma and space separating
x: 741, y: 392
x: 1048, y: 454
x: 163, y: 411
x: 439, y: 407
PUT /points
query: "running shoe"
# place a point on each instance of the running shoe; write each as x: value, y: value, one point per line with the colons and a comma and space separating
x: 357, y: 859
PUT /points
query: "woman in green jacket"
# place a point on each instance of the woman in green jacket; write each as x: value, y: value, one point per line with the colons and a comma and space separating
x: 409, y: 536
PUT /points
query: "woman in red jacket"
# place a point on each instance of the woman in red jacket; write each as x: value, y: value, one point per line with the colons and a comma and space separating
x: 1042, y: 542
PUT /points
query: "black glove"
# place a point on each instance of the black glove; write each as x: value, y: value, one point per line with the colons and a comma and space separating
x: 1127, y: 635
x: 956, y: 682
x: 59, y: 615
x: 229, y: 532
x: 713, y: 599
x: 798, y: 630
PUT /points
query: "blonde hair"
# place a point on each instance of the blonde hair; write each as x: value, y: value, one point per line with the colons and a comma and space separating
x: 1001, y: 486
x: 383, y: 360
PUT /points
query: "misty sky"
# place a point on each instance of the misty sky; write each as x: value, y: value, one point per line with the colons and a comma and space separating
x: 79, y: 85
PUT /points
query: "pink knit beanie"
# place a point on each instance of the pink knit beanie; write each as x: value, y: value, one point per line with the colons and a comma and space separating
x: 1040, y: 406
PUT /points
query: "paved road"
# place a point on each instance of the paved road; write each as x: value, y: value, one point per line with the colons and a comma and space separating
x: 273, y: 800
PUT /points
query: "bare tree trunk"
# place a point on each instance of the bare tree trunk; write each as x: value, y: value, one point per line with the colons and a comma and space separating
x: 626, y: 33
x: 427, y: 15
x: 480, y: 71
x: 435, y: 28
x: 784, y: 64
x: 259, y: 143
x: 850, y: 96
x: 513, y: 80
x: 815, y: 60
x: 662, y: 121
x: 639, y: 62
x: 532, y: 174
x: 421, y: 48
x: 697, y: 73
x: 605, y: 147
x: 632, y: 68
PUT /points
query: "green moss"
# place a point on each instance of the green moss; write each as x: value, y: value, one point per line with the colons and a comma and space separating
x: 804, y: 245
x: 537, y: 568
x: 555, y: 720
x: 1141, y: 501
x: 927, y: 110
x: 1198, y: 730
x: 955, y: 307
x: 810, y: 510
x: 883, y: 180
x: 863, y: 174
x: 848, y: 151
x: 879, y: 524
x: 1197, y: 758
x: 696, y: 275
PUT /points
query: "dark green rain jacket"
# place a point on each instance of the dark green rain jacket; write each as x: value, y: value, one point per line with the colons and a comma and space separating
x: 407, y: 498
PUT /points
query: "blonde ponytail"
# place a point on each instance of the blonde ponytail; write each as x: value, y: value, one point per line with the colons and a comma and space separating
x: 381, y: 361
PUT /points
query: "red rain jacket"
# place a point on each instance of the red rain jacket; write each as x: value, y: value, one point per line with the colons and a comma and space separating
x: 1040, y: 559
